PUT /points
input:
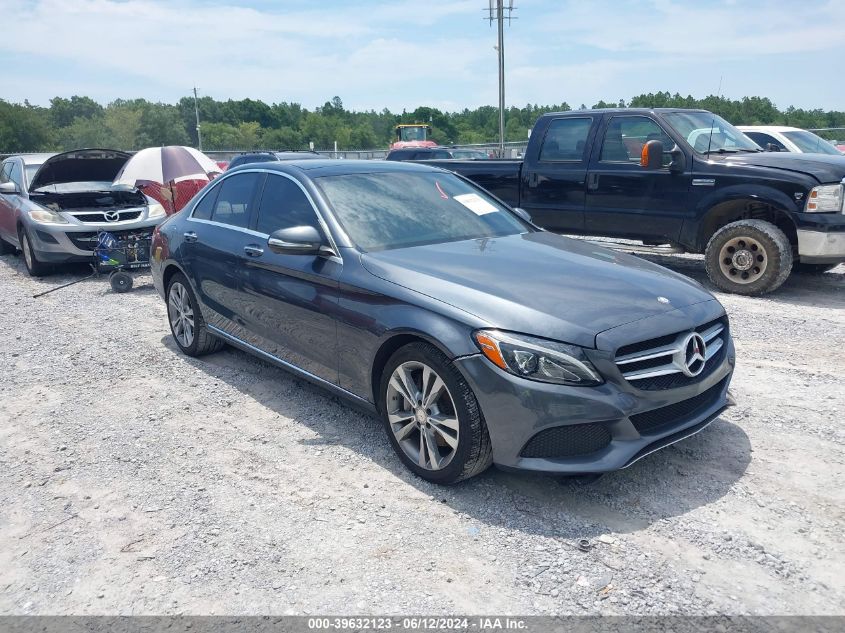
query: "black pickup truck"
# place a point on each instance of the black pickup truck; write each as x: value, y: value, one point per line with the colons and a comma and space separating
x: 683, y: 178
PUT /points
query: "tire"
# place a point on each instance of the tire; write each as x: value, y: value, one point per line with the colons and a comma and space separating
x: 200, y: 341
x: 748, y: 257
x: 6, y: 248
x: 453, y: 414
x: 120, y: 281
x: 812, y: 269
x: 33, y: 266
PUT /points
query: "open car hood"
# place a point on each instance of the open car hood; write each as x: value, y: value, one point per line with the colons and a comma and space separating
x: 80, y: 165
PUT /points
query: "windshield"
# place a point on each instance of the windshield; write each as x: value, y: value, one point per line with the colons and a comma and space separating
x: 708, y: 133
x: 30, y: 172
x: 415, y: 133
x: 392, y: 210
x: 811, y: 143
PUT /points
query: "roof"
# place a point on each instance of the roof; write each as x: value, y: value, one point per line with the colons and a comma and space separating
x: 316, y: 168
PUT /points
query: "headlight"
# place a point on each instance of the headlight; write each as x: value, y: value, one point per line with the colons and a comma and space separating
x: 155, y: 210
x: 825, y: 199
x: 537, y: 359
x: 46, y: 216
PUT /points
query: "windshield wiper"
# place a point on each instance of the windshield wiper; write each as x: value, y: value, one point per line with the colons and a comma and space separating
x: 721, y: 150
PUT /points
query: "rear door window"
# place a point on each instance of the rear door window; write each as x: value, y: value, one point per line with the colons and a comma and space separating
x: 284, y: 205
x: 205, y: 207
x: 566, y: 139
x: 233, y: 205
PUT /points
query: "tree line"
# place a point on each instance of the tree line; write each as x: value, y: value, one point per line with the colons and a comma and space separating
x: 79, y: 121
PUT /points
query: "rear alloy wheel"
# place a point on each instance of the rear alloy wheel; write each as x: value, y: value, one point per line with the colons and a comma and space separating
x: 33, y: 266
x: 186, y: 322
x: 432, y: 416
x: 748, y: 257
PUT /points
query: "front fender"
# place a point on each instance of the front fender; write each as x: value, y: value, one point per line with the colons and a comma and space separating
x: 696, y: 231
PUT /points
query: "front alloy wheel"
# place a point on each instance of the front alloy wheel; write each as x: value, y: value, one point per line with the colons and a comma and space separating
x: 431, y: 415
x: 422, y: 415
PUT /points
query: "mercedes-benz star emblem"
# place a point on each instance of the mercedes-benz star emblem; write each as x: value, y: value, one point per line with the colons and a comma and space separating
x: 695, y: 350
x: 112, y: 216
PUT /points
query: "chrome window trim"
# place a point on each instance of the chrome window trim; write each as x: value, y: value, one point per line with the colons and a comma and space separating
x: 323, y: 224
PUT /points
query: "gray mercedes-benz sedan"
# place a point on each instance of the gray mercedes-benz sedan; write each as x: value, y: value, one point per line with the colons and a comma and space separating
x: 52, y: 206
x: 476, y: 337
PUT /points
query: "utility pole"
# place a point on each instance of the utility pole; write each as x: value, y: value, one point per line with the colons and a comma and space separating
x: 197, y: 113
x: 496, y: 11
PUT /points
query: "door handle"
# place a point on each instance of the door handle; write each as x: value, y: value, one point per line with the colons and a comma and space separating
x: 253, y: 251
x: 593, y: 181
x: 190, y: 236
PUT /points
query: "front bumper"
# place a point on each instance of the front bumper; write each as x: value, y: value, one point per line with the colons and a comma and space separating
x: 519, y: 413
x: 821, y: 247
x: 62, y: 243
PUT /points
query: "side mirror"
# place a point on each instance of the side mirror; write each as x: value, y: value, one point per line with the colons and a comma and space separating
x: 771, y: 147
x: 296, y: 240
x: 8, y: 188
x: 679, y: 160
x: 652, y: 155
x: 522, y: 213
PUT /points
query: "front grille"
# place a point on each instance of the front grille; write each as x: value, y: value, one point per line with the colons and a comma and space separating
x: 100, y: 218
x: 678, y: 412
x: 87, y: 240
x: 659, y: 363
x: 567, y: 441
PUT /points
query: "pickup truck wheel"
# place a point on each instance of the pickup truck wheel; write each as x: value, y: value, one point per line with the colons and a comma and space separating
x: 748, y: 257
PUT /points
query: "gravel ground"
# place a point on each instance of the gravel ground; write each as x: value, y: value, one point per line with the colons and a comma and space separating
x: 135, y: 480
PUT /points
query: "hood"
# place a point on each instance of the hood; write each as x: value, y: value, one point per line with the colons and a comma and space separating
x: 81, y: 165
x: 826, y: 168
x: 539, y: 283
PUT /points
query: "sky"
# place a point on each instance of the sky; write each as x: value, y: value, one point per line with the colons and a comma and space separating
x: 400, y: 54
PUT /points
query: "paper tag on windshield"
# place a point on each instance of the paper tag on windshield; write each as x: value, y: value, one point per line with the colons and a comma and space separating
x: 476, y: 203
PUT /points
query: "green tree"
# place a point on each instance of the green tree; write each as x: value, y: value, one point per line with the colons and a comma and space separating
x: 65, y: 111
x: 161, y: 124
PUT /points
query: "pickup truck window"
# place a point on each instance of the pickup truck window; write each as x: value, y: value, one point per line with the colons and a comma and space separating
x: 625, y: 136
x: 566, y: 139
